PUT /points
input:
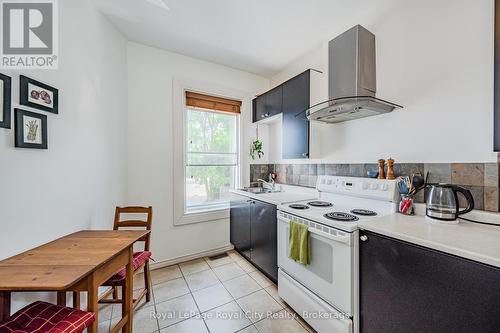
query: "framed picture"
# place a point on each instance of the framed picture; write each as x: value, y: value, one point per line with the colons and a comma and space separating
x: 5, y: 95
x: 31, y: 129
x: 38, y: 95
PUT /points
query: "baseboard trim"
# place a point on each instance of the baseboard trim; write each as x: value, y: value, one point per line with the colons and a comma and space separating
x: 207, y: 253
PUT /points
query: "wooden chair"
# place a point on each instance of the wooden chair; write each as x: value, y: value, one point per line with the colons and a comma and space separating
x: 141, y: 259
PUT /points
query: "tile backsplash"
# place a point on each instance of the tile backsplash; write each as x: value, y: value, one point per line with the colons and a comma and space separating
x: 482, y: 179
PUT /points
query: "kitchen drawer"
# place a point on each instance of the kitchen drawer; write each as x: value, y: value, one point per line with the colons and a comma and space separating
x: 311, y: 307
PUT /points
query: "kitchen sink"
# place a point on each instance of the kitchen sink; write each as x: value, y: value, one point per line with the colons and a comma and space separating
x: 258, y: 190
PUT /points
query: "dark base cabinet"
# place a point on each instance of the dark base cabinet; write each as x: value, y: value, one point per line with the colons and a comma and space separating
x: 264, y: 238
x: 253, y: 232
x: 408, y: 288
x: 239, y: 233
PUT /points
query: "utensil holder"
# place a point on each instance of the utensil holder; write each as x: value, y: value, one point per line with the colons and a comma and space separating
x: 406, y: 204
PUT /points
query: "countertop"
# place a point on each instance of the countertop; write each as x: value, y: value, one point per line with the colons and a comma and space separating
x: 469, y: 240
x: 278, y: 198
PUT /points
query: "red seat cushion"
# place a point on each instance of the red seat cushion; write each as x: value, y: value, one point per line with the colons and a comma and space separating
x: 139, y: 259
x: 41, y: 317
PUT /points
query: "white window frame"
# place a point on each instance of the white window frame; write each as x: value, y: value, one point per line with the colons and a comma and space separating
x: 179, y: 130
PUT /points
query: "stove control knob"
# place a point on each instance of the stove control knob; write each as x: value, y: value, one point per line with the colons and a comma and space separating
x: 384, y: 187
x: 323, y: 181
x: 329, y: 182
x: 365, y: 186
x: 374, y: 186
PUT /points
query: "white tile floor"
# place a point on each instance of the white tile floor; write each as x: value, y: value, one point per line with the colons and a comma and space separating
x: 210, y: 296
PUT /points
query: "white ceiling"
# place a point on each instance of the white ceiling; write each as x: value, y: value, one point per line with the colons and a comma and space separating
x: 257, y: 36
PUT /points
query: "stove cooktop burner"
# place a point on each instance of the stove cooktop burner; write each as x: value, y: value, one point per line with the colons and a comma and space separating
x: 298, y: 206
x: 363, y: 212
x: 320, y: 204
x: 341, y: 216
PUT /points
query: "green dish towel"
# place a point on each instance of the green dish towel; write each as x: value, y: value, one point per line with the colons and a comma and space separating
x: 299, y: 243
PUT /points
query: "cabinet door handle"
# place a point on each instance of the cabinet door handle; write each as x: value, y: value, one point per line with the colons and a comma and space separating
x: 363, y: 238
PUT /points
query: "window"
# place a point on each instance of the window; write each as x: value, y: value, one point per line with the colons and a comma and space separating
x: 211, y: 154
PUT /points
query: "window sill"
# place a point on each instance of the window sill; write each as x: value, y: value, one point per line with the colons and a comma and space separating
x: 203, y: 216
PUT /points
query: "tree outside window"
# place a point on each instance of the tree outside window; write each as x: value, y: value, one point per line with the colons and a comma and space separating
x: 212, y: 158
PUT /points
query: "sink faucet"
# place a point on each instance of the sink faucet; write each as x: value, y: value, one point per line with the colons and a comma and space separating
x: 270, y: 185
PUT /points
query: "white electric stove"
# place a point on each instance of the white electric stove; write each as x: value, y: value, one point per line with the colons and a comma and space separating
x: 344, y: 201
x: 328, y: 287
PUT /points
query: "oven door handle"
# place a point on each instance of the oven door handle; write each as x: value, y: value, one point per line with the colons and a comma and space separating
x: 337, y: 238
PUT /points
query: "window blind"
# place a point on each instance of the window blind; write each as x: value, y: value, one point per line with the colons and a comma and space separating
x: 202, y: 101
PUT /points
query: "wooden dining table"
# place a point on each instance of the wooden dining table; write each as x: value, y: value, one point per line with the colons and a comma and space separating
x: 79, y: 262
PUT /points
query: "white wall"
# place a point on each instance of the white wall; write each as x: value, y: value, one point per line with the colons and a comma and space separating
x: 77, y: 182
x: 436, y: 59
x: 151, y: 73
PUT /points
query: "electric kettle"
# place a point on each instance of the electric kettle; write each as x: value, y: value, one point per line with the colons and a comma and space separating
x: 442, y: 201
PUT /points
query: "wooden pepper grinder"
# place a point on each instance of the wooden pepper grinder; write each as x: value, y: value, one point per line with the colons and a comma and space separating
x: 390, y: 169
x: 381, y: 171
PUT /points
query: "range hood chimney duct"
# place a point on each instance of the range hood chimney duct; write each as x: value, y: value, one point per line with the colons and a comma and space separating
x: 352, y: 80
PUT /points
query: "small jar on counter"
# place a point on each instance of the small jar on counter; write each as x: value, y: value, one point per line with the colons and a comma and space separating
x: 406, y: 204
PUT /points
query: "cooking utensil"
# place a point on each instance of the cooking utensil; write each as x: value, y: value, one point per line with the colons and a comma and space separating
x: 418, y: 182
x: 402, y: 186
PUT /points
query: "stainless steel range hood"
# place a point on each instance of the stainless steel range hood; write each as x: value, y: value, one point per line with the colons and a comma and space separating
x: 351, y: 80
